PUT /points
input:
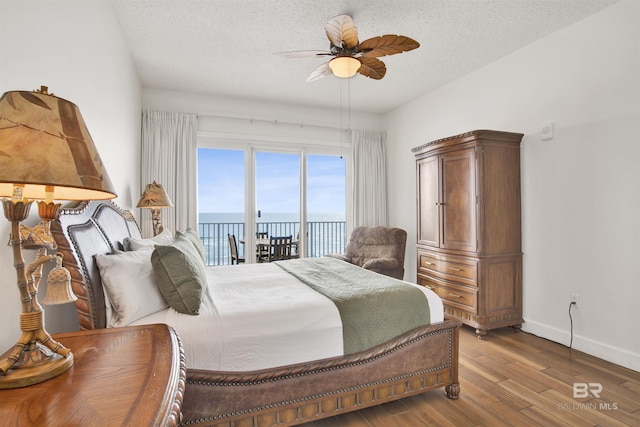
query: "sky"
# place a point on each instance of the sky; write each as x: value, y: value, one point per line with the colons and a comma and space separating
x: 221, y: 182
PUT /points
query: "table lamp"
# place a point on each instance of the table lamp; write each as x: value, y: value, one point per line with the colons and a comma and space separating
x: 154, y: 197
x: 46, y: 153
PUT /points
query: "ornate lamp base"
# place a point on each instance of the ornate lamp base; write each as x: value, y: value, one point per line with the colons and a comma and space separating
x: 157, y: 224
x: 37, y: 364
x: 36, y: 357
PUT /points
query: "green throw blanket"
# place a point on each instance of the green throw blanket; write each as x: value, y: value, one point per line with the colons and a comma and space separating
x: 374, y: 308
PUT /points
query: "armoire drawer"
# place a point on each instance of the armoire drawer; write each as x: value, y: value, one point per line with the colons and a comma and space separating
x: 461, y: 296
x: 446, y: 266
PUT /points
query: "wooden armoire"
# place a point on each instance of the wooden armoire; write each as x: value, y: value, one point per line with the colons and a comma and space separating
x: 469, y: 240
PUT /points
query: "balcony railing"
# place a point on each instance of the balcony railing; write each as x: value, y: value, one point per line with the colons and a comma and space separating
x: 323, y: 237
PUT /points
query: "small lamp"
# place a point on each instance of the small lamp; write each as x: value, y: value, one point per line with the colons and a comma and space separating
x: 154, y: 197
x: 46, y: 153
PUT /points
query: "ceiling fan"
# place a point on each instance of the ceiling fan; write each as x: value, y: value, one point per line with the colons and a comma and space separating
x: 351, y: 56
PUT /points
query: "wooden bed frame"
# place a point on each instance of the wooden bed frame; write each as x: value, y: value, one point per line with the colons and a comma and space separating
x: 424, y: 359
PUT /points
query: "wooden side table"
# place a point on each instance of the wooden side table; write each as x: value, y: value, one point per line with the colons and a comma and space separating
x: 132, y: 376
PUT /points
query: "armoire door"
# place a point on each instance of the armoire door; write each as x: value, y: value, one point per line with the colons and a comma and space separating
x: 458, y: 208
x: 428, y: 201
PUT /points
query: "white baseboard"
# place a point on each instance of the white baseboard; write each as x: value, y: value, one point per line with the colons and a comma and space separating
x: 604, y: 351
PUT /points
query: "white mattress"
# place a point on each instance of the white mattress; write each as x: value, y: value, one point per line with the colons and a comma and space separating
x: 257, y: 316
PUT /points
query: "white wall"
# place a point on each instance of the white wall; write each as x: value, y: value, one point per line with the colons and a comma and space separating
x: 76, y: 48
x: 218, y: 118
x: 580, y: 190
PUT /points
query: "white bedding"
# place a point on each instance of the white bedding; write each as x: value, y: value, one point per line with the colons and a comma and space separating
x: 257, y: 316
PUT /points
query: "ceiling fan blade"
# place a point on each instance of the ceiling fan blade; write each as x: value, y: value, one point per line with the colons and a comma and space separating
x: 388, y: 44
x: 303, y: 53
x: 320, y: 72
x: 372, y: 67
x: 342, y: 32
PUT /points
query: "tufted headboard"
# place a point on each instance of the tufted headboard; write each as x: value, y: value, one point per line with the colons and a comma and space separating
x: 96, y: 227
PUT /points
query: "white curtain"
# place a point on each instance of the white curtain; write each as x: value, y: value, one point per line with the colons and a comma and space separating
x: 369, y: 178
x: 170, y: 157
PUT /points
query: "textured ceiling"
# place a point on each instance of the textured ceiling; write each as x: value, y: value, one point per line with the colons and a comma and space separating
x: 226, y: 47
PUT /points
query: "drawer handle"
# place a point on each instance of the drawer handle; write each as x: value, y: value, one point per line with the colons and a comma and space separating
x: 429, y: 263
x: 429, y: 287
x: 455, y: 269
x: 455, y: 296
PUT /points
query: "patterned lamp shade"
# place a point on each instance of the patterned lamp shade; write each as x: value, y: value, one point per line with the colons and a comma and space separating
x: 154, y: 196
x: 45, y: 146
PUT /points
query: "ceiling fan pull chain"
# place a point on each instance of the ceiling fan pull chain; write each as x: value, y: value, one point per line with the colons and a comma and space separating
x: 341, y: 130
x: 349, y: 106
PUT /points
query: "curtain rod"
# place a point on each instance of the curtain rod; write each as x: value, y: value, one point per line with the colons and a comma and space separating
x: 274, y: 122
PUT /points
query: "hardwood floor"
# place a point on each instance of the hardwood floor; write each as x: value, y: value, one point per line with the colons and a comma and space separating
x: 515, y: 379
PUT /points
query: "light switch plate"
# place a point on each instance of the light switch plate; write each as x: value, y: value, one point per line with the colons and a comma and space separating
x: 546, y: 131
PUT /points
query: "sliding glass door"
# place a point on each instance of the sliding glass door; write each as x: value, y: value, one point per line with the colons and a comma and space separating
x: 277, y: 184
x: 326, y: 205
x: 275, y: 192
x: 221, y: 202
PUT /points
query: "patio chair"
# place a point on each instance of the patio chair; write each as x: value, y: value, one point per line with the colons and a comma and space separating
x: 279, y: 248
x: 262, y: 251
x: 379, y: 249
x: 233, y: 250
x: 295, y: 253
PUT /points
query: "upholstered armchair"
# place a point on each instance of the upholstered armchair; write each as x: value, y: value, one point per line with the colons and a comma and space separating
x: 379, y: 249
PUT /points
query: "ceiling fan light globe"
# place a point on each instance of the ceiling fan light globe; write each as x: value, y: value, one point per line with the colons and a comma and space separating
x: 344, y: 66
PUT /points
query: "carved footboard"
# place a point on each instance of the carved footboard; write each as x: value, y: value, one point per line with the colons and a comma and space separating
x: 421, y: 360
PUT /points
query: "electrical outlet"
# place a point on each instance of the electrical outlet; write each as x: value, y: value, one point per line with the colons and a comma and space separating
x: 575, y: 299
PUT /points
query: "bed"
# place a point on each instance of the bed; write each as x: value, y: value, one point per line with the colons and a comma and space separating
x: 283, y: 378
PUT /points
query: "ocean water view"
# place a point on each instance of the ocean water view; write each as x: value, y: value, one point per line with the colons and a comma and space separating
x: 326, y: 232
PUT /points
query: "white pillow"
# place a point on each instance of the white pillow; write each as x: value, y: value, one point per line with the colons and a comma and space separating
x: 129, y: 286
x: 133, y: 244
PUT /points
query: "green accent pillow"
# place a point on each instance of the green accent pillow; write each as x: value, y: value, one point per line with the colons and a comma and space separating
x: 193, y: 236
x: 180, y: 275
